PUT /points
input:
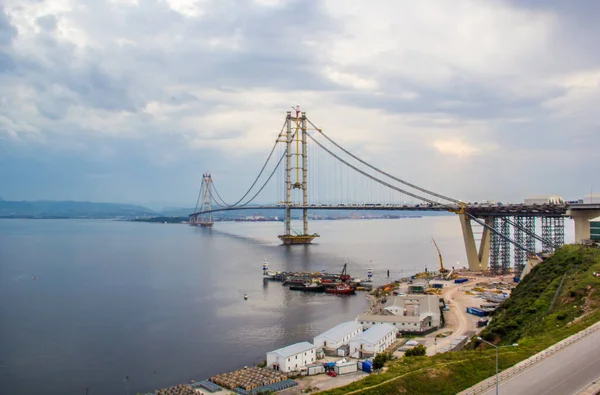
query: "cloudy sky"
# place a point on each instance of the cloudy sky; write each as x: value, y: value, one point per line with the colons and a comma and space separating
x: 131, y: 100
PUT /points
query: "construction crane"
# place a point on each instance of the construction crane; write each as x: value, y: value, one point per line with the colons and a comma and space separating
x: 442, y: 270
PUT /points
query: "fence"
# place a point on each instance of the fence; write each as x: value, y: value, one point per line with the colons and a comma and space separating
x: 518, y: 368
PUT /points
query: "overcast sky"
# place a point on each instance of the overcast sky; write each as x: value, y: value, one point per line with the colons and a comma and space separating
x: 132, y: 100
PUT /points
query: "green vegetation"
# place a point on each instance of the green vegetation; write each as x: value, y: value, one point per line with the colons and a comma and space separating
x: 526, y: 318
x: 417, y: 351
x: 380, y: 360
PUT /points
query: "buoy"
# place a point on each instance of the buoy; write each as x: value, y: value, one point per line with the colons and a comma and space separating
x: 245, y: 297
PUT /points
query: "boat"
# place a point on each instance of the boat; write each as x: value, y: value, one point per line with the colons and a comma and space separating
x: 295, y: 280
x: 308, y: 287
x: 341, y: 289
x: 269, y: 274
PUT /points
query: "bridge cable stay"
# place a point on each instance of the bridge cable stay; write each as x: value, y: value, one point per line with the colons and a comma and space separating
x: 257, y: 177
x: 500, y: 234
x: 381, y: 171
x: 532, y: 234
x: 373, y: 177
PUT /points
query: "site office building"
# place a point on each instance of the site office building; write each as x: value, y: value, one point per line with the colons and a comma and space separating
x: 337, y: 337
x: 373, y: 341
x: 291, y: 358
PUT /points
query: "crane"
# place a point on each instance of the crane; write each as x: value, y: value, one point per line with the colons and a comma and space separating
x: 442, y: 270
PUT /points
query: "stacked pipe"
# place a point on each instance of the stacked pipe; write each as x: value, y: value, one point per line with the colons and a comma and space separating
x: 248, y: 378
x: 180, y: 389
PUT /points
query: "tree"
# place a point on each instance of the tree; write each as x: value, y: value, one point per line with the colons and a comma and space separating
x: 417, y: 351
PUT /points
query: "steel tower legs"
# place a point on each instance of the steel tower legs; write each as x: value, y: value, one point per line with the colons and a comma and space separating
x: 288, y: 174
x: 304, y: 175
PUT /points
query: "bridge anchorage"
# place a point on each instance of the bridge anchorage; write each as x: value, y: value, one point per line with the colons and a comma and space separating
x: 508, y: 238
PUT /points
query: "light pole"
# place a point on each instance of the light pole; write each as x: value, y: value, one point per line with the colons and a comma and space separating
x: 497, y: 347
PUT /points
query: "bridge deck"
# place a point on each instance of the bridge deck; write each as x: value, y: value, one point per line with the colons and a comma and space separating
x: 481, y: 210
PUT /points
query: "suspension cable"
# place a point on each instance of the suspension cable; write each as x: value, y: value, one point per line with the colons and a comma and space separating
x: 372, y: 177
x: 383, y: 172
x: 259, y: 174
x: 199, y: 194
x: 266, y: 182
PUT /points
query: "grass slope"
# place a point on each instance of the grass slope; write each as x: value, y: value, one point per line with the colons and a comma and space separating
x: 528, y: 318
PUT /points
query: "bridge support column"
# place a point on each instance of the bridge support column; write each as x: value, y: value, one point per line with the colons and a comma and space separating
x: 478, y: 259
x: 288, y: 175
x: 581, y: 219
x: 304, y: 174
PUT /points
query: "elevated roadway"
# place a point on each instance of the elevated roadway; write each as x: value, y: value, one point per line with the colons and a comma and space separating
x: 475, y: 209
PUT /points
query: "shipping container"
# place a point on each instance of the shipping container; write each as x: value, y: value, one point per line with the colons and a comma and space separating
x: 346, y: 367
x: 461, y: 280
x: 476, y: 311
x: 437, y: 285
x: 313, y: 369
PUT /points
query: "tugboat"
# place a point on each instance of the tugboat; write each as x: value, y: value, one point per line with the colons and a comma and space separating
x: 341, y: 289
x: 308, y: 287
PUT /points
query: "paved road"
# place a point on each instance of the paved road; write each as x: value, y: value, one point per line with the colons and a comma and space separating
x: 567, y: 372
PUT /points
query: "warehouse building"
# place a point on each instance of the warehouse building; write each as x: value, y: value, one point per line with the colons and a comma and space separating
x: 408, y: 313
x: 373, y: 341
x: 291, y: 358
x: 337, y: 337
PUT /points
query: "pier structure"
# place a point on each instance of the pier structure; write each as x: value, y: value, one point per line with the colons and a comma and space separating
x: 298, y: 150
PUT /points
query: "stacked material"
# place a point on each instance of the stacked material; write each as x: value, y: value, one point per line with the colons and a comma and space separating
x: 181, y: 389
x: 276, y: 387
x: 248, y: 378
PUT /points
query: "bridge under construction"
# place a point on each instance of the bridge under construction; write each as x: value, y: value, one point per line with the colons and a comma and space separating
x: 508, y: 233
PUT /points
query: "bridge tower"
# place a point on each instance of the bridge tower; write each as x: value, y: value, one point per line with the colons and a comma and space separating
x: 301, y: 181
x: 206, y: 220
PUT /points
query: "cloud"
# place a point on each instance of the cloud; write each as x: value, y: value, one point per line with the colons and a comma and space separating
x: 455, y: 148
x: 177, y: 87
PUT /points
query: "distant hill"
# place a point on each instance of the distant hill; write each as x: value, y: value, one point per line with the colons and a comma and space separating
x: 70, y: 209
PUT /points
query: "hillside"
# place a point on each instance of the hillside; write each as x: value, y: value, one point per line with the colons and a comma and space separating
x: 539, y: 313
x: 69, y: 209
x: 541, y: 303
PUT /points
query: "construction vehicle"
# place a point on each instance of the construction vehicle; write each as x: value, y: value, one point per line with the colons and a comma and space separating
x: 442, y: 270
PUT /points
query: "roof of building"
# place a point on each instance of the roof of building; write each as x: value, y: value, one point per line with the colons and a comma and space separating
x: 427, y: 303
x: 293, y: 349
x: 337, y: 333
x: 375, y: 333
x: 387, y: 318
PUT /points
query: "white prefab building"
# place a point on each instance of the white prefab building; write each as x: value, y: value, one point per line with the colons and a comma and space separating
x: 409, y: 313
x: 373, y: 341
x: 291, y: 358
x: 337, y: 336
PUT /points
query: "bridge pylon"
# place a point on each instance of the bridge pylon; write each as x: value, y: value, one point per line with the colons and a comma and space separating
x: 301, y: 182
x: 205, y: 219
x: 478, y: 258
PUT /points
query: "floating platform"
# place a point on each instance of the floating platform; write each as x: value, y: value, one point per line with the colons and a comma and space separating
x: 206, y: 224
x: 297, y: 239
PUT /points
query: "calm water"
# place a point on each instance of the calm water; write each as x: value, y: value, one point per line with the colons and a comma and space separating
x: 163, y: 304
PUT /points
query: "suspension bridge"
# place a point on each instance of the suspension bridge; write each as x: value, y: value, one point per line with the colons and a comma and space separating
x: 340, y: 180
